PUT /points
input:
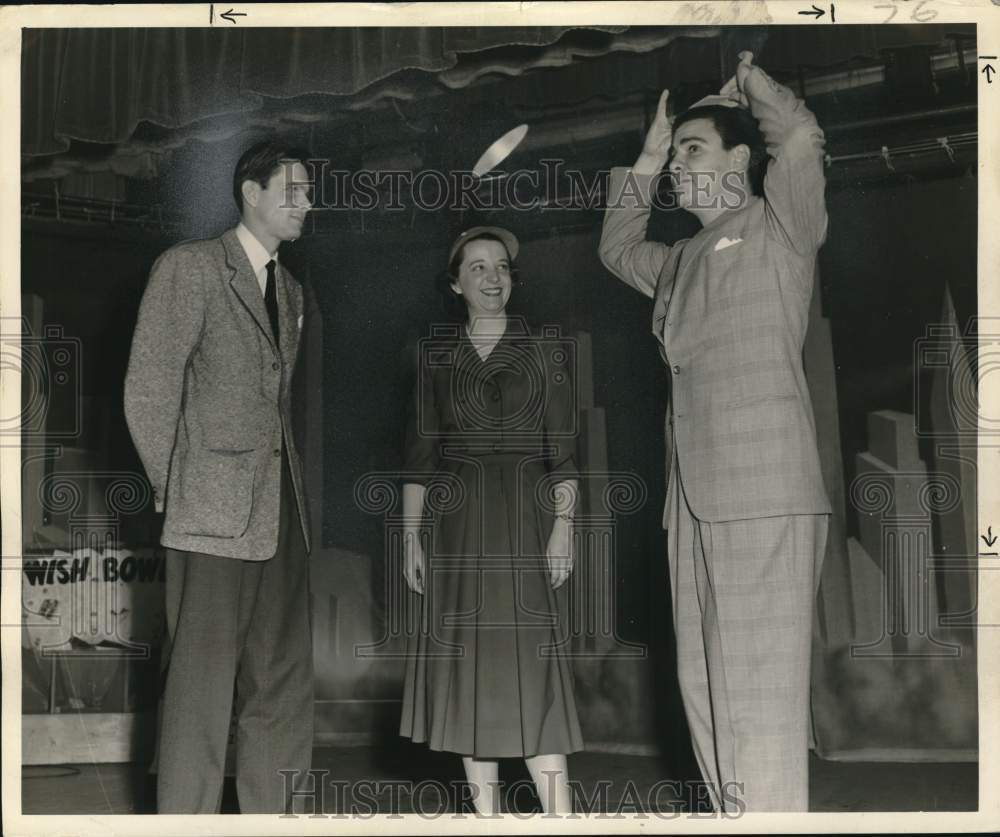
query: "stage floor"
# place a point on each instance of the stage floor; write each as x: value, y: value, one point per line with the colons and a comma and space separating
x: 627, y: 784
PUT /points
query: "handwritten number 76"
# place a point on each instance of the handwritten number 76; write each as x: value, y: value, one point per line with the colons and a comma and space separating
x: 919, y: 13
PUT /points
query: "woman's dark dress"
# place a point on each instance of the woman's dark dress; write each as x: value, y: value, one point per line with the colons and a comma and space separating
x: 485, y: 673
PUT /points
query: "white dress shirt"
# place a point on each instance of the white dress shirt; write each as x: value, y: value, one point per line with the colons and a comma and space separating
x: 258, y: 255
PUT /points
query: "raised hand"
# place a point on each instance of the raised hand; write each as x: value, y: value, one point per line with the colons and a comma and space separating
x: 735, y: 88
x: 656, y: 148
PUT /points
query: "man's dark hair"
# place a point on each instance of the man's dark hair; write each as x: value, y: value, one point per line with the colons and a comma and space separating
x: 454, y: 305
x: 260, y: 161
x: 736, y: 126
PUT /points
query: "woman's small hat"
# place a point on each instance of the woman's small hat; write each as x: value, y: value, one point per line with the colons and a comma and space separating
x: 508, y: 238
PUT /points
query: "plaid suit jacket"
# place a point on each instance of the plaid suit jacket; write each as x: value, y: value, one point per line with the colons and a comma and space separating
x: 207, y: 399
x: 730, y: 312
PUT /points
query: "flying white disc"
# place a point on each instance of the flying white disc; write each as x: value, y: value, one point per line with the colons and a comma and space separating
x: 499, y: 151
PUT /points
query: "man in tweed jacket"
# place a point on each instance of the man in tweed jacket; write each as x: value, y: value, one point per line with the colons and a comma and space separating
x: 747, y: 510
x: 207, y: 400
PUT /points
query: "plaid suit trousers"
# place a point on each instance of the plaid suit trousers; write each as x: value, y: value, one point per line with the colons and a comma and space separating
x: 743, y: 595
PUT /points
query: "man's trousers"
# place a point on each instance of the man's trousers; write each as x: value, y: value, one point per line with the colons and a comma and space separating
x: 243, y: 627
x: 743, y: 597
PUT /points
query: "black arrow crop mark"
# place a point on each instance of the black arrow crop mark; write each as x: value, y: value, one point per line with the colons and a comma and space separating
x: 816, y: 13
x: 988, y: 69
x: 992, y: 539
x: 231, y: 15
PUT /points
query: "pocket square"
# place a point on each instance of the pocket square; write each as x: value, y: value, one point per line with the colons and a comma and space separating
x: 725, y: 242
x: 300, y: 322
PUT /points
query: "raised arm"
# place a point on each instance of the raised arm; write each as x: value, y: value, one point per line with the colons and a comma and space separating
x: 624, y: 249
x: 794, y: 184
x: 171, y: 318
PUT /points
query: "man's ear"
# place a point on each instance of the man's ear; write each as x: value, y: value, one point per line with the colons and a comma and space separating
x: 251, y: 192
x: 741, y: 156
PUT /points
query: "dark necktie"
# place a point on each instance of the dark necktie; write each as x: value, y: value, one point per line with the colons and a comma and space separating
x: 271, y: 300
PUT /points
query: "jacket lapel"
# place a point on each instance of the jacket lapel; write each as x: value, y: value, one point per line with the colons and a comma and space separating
x: 288, y: 317
x: 666, y: 285
x: 684, y: 257
x: 660, y: 310
x: 244, y: 283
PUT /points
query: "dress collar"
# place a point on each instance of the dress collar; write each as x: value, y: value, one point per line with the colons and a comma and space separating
x: 515, y: 327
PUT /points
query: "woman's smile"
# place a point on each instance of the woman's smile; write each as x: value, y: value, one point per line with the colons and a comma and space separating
x: 484, y: 277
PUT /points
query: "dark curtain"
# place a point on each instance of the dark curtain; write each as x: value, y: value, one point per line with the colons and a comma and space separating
x: 96, y: 85
x: 147, y: 91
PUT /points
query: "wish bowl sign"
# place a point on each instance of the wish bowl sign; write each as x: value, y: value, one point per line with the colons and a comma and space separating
x: 86, y: 590
x: 93, y: 624
x: 90, y: 597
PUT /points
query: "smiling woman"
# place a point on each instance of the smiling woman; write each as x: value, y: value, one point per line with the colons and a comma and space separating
x: 481, y: 273
x: 493, y: 420
x: 449, y: 281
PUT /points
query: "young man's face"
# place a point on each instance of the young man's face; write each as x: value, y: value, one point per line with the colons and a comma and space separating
x: 701, y: 167
x: 280, y: 208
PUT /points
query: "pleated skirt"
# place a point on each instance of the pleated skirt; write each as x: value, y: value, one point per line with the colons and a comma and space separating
x: 486, y: 673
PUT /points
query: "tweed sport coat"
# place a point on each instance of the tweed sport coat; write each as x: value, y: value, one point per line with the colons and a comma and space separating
x: 731, y: 307
x: 207, y: 399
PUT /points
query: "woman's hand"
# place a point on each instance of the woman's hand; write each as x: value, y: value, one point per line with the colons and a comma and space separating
x: 414, y: 567
x: 656, y: 148
x: 559, y: 552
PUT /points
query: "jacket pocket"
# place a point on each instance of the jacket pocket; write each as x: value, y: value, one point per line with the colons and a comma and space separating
x: 216, y: 493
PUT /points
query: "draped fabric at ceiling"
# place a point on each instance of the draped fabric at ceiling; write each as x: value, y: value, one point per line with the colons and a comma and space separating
x: 145, y: 91
x: 98, y: 85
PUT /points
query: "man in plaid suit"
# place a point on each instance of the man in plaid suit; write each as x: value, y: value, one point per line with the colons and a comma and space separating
x: 746, y: 511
